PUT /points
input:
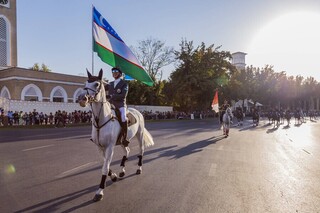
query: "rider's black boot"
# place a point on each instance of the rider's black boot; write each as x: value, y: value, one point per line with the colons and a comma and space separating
x: 125, y: 140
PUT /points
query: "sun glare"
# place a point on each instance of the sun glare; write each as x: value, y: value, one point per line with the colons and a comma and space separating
x: 290, y: 43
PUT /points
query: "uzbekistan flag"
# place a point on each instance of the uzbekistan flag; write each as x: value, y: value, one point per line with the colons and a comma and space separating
x: 215, y: 103
x: 112, y: 50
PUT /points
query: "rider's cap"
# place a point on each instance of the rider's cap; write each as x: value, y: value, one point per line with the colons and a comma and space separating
x: 116, y: 69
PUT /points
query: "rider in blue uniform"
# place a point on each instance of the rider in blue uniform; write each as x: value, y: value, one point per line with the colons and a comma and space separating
x: 117, y: 94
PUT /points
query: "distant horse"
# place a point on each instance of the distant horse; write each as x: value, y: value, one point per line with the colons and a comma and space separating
x: 282, y: 116
x: 297, y: 117
x: 276, y: 119
x: 106, y: 129
x: 255, y: 118
x: 288, y: 117
x: 226, y: 121
x: 239, y: 115
x: 302, y: 115
x: 270, y: 117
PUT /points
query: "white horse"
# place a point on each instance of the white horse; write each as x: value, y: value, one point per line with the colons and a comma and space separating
x: 226, y: 121
x: 106, y: 129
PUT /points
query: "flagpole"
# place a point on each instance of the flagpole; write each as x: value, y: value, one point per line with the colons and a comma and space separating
x: 92, y: 59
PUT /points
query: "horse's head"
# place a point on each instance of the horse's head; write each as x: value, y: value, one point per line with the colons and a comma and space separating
x: 94, y: 88
x: 229, y: 111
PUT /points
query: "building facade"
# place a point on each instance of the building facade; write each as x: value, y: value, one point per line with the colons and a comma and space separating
x: 8, y: 33
x: 30, y: 85
x: 25, y: 90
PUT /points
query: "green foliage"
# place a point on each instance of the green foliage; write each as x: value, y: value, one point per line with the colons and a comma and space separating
x: 43, y: 68
x: 35, y: 67
x: 271, y: 88
x: 202, y: 70
x: 141, y: 94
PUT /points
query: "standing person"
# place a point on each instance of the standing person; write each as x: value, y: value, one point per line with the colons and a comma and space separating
x: 51, y: 117
x: 117, y: 94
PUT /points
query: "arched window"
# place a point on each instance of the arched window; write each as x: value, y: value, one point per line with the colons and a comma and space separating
x: 5, y: 93
x: 58, y: 94
x: 31, y: 93
x: 4, y: 41
x: 76, y: 94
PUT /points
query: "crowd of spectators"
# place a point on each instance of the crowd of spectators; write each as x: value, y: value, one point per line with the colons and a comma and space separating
x: 149, y: 115
x: 58, y: 118
x: 62, y: 118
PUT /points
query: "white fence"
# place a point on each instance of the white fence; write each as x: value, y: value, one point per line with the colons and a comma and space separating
x: 47, y: 107
x: 4, y: 104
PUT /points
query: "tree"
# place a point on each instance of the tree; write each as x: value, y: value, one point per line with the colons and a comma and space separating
x: 35, y: 67
x: 153, y: 56
x: 43, y: 68
x: 200, y: 71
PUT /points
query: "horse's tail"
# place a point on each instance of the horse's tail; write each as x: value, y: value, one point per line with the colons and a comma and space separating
x: 147, y: 138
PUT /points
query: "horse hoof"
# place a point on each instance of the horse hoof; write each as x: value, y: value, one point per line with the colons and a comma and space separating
x: 138, y: 172
x: 97, y: 198
x: 114, y: 179
x: 121, y: 174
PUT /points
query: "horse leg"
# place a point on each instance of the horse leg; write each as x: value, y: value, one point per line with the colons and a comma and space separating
x: 112, y: 175
x: 142, y: 142
x: 227, y: 132
x: 123, y: 161
x: 105, y: 170
x: 224, y: 129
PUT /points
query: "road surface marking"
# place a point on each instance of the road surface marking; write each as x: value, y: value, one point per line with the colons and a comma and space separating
x: 63, y: 174
x: 75, y: 137
x: 306, y: 151
x: 39, y: 147
x: 172, y: 135
x: 213, y: 170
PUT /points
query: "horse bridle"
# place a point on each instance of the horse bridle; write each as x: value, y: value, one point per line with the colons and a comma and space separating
x: 229, y: 111
x: 96, y: 92
x: 92, y: 99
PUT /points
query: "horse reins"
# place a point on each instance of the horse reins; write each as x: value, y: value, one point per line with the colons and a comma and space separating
x: 96, y: 118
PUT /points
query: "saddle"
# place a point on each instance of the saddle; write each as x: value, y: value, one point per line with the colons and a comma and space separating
x: 131, y: 120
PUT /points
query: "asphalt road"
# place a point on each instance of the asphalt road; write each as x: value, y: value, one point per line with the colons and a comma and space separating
x: 191, y: 168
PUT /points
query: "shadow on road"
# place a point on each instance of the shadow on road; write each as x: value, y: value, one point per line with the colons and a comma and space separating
x: 273, y: 129
x: 54, y: 204
x: 254, y: 127
x: 286, y: 127
x: 113, y: 164
x: 189, y: 149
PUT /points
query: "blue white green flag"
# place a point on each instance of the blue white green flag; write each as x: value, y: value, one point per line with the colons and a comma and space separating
x: 112, y: 50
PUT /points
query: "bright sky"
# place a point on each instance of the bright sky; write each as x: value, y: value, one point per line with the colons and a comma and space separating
x: 283, y: 33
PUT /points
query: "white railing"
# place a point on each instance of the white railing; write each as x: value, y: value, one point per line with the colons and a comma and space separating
x: 47, y: 107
